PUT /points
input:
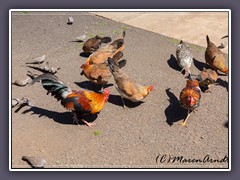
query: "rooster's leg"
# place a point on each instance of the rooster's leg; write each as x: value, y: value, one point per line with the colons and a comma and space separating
x: 75, y: 118
x: 88, y: 123
x: 184, y: 123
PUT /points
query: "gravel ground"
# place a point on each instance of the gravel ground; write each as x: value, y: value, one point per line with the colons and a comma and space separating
x: 140, y: 136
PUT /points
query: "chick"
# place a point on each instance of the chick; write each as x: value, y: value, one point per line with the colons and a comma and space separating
x: 206, y: 78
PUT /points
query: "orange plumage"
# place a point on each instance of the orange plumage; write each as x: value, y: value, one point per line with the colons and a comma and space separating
x: 81, y: 103
x: 190, y: 97
x: 99, y: 73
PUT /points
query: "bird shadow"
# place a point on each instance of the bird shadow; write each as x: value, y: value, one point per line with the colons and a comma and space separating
x: 222, y: 83
x: 77, y: 41
x: 221, y: 74
x: 174, y: 112
x: 172, y: 62
x: 200, y: 65
x: 116, y: 99
x: 59, y: 117
x: 226, y: 124
x: 91, y: 86
x: 204, y: 89
x: 20, y: 107
x: 84, y: 54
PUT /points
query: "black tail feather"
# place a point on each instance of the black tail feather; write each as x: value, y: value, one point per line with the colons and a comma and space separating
x: 208, y: 40
x: 122, y: 63
x: 123, y: 34
x: 53, y: 85
x: 118, y: 55
x: 112, y: 65
x: 106, y: 39
x: 117, y: 43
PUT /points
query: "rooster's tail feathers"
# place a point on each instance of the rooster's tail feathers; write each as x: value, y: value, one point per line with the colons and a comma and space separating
x: 53, y: 85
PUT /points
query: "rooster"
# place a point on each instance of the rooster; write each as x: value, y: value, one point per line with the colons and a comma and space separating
x: 93, y: 44
x: 109, y: 50
x: 214, y: 57
x: 190, y: 97
x: 206, y: 78
x: 81, y: 103
x: 99, y: 73
x: 127, y: 88
x: 184, y: 57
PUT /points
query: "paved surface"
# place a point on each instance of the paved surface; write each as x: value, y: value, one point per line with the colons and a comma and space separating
x: 133, y: 137
x: 191, y: 27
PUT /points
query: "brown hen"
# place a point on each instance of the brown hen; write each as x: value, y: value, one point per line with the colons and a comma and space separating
x: 99, y: 73
x: 214, y: 57
x: 127, y: 87
x: 93, y: 44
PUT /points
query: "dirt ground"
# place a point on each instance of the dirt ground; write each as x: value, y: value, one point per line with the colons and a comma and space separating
x: 140, y: 136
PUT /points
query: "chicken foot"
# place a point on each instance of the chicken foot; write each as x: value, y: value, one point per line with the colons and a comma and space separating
x: 184, y: 123
x: 75, y: 120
